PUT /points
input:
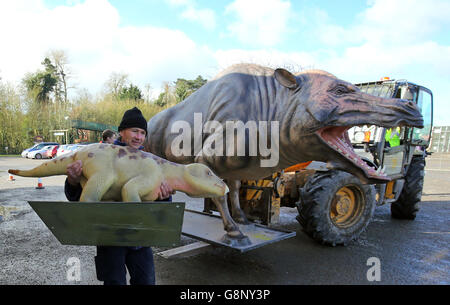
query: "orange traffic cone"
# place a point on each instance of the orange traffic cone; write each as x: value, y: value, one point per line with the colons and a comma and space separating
x: 11, y: 178
x: 40, y: 186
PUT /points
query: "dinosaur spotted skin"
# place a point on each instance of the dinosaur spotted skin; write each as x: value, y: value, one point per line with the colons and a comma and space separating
x: 118, y: 173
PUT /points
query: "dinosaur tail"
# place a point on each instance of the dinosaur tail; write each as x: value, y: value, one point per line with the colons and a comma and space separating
x: 50, y: 168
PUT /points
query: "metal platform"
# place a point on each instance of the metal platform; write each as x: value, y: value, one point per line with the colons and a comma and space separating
x: 113, y: 223
x: 144, y: 224
x: 209, y: 228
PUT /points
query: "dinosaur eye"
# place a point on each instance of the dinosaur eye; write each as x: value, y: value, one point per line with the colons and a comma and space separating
x: 340, y: 90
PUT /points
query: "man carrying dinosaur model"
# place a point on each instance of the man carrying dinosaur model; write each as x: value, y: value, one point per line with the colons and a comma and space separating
x: 110, y: 261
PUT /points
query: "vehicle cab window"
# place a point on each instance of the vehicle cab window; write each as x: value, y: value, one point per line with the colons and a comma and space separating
x: 424, y: 102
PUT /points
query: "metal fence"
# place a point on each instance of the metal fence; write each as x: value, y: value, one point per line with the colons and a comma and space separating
x: 440, y: 139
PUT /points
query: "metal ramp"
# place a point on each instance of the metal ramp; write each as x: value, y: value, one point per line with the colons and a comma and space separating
x: 209, y: 228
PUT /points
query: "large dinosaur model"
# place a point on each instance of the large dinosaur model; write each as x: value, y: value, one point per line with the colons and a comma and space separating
x: 313, y: 111
x: 119, y: 173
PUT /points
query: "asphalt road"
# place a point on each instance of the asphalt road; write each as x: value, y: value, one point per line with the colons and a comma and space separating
x: 389, y: 252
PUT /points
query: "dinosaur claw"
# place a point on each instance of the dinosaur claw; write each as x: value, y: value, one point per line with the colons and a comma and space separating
x: 238, y: 240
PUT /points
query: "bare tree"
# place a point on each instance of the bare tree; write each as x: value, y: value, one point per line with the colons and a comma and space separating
x: 116, y: 82
x: 148, y: 92
x: 60, y: 60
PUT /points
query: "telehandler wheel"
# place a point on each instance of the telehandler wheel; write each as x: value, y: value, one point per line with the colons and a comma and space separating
x: 335, y: 207
x: 407, y: 205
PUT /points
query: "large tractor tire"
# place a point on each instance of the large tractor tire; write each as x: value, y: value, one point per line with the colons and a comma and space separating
x: 335, y: 207
x: 407, y: 205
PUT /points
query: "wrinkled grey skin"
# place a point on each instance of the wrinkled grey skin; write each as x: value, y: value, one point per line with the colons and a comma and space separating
x: 302, y: 104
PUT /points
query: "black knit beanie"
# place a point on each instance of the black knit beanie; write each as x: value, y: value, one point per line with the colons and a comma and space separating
x: 133, y: 118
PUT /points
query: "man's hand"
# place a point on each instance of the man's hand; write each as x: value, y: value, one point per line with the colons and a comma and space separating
x: 165, y: 191
x: 74, y: 172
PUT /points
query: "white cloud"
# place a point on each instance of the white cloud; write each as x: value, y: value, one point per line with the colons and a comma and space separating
x: 179, y: 2
x: 404, y: 21
x: 316, y: 23
x: 33, y: 30
x: 384, y: 22
x: 96, y: 43
x: 205, y: 17
x: 259, y: 22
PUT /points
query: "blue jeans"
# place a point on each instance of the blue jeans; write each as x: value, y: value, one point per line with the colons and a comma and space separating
x: 110, y: 264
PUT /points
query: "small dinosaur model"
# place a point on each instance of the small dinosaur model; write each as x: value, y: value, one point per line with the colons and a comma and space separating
x: 119, y: 173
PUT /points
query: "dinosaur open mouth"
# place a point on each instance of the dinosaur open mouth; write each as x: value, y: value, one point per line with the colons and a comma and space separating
x: 337, y: 139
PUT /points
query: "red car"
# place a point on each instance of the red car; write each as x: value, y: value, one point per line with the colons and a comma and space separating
x: 51, y: 153
x: 54, y: 150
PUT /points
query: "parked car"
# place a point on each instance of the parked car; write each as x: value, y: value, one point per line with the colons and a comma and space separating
x: 36, y: 147
x: 40, y: 153
x: 68, y: 148
x: 62, y: 149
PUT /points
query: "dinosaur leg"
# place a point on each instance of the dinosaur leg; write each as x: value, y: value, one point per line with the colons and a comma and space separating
x: 234, y: 235
x: 96, y: 187
x: 229, y: 225
x: 236, y: 211
x: 130, y: 191
x: 141, y: 188
x: 232, y: 229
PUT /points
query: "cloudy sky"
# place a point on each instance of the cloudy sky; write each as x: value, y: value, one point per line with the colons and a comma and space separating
x: 161, y: 40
